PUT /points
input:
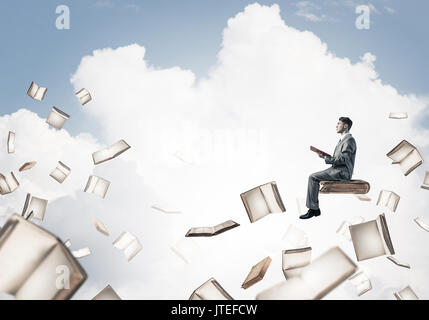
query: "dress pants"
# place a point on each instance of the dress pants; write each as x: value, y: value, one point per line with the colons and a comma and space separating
x: 330, y: 174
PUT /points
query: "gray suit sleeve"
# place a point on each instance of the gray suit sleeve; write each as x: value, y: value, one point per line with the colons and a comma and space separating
x: 346, y: 151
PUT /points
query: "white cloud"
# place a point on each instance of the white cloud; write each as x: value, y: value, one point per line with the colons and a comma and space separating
x: 307, y: 10
x: 274, y: 92
x: 390, y: 10
x: 104, y: 4
x: 37, y: 141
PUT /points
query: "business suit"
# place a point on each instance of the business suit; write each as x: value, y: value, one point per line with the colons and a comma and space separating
x: 342, y: 161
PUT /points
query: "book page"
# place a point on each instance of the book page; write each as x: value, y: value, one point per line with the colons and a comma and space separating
x: 301, y: 205
x: 129, y: 245
x: 411, y: 161
x: 18, y: 260
x: 107, y: 294
x: 44, y: 284
x: 27, y: 166
x: 100, y: 227
x: 384, y: 232
x: 186, y: 249
x: 97, y: 185
x: 425, y: 184
x: 200, y: 230
x: 8, y: 183
x: 361, y: 282
x: 11, y: 142
x: 211, y: 290
x: 399, y: 263
x: 406, y: 294
x: 33, y: 89
x: 110, y: 152
x: 393, y: 201
x: 84, y: 96
x: 268, y: 192
x: 295, y: 238
x: 367, y: 240
x: 84, y: 252
x: 61, y: 172
x: 362, y: 197
x: 57, y: 118
x: 344, y: 228
x: 224, y: 226
x: 40, y: 94
x: 383, y: 198
x: 398, y: 115
x: 400, y: 151
x: 256, y: 204
x: 35, y: 205
x: 294, y: 260
x: 317, y: 279
x: 422, y: 224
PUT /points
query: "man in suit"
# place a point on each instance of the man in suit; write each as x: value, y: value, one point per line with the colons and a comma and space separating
x: 342, y: 163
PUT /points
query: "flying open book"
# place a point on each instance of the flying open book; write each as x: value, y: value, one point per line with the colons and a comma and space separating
x: 262, y: 200
x: 57, y: 118
x: 211, y: 231
x: 371, y: 239
x: 129, y: 244
x: 422, y: 224
x: 399, y: 263
x: 210, y: 290
x: 319, y: 151
x: 84, y: 96
x: 34, y: 207
x: 406, y: 294
x: 294, y: 261
x: 84, y: 252
x: 8, y: 183
x: 361, y: 282
x: 36, y: 92
x: 100, y: 227
x: 398, y: 115
x: 35, y: 264
x: 111, y: 152
x: 61, y: 172
x: 187, y: 249
x: 388, y: 199
x: 344, y: 229
x: 27, y: 166
x: 425, y: 184
x: 97, y: 185
x: 406, y: 155
x: 11, y: 142
x: 316, y: 280
x: 257, y: 273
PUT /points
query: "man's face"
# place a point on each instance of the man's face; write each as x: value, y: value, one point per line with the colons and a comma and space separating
x: 341, y: 127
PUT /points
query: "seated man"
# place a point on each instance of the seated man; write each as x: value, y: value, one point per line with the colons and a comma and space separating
x: 342, y: 162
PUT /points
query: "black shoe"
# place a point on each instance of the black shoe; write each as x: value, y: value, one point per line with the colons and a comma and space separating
x: 310, y: 213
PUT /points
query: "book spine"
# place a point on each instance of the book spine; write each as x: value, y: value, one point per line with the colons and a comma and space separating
x: 386, y: 235
x: 277, y: 196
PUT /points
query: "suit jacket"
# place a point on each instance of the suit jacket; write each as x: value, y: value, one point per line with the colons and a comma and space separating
x: 344, y: 157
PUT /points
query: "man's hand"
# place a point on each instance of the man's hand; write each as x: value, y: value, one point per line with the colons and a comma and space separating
x: 321, y: 155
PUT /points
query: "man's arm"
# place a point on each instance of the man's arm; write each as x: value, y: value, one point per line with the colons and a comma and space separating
x: 347, y: 149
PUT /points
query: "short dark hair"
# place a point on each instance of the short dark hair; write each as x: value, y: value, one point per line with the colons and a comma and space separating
x: 347, y: 121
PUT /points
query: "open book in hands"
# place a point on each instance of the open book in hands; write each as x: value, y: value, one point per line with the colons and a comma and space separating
x: 323, y: 153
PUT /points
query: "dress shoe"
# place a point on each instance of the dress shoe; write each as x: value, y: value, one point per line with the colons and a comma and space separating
x: 310, y: 213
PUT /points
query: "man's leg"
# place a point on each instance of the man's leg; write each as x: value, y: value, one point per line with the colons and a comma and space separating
x: 314, y: 185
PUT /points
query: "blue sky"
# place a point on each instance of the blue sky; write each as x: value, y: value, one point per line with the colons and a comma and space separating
x: 188, y: 34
